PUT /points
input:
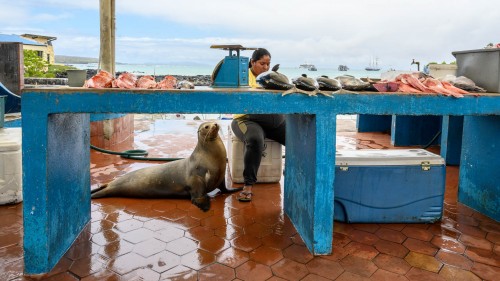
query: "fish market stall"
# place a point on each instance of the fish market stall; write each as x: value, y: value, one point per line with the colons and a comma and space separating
x: 56, y: 179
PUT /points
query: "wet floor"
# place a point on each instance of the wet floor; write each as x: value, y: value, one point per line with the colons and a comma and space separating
x: 170, y: 239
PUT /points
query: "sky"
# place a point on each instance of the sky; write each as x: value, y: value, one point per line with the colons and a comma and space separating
x: 326, y: 33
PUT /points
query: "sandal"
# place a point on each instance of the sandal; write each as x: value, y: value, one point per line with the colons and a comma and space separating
x: 245, y: 196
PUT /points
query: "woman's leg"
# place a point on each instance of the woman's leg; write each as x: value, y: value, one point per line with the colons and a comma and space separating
x: 252, y: 135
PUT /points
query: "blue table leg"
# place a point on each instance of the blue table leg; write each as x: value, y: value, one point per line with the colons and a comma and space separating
x: 451, y: 139
x: 373, y: 123
x: 309, y: 178
x: 56, y: 185
x: 414, y: 130
x: 479, y: 185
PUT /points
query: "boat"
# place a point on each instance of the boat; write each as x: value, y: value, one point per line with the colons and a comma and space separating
x: 310, y: 67
x: 373, y: 65
x: 343, y: 67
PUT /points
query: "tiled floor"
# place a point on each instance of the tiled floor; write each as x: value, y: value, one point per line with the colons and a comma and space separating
x: 166, y: 239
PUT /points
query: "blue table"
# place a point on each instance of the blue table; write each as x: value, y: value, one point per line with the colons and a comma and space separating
x: 56, y: 138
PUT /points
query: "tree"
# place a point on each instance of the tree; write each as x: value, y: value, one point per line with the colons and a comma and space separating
x: 34, y: 66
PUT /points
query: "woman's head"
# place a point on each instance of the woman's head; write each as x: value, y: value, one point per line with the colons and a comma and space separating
x: 260, y: 61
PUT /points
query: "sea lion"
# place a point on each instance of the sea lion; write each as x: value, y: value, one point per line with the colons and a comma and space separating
x: 202, y: 172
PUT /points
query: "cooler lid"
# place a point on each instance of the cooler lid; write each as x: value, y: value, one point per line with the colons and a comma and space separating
x: 10, y: 139
x: 386, y: 157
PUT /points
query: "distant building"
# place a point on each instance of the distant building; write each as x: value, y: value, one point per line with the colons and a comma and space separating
x: 39, y: 43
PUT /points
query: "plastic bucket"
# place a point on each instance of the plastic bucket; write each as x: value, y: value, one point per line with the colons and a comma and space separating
x: 76, y: 77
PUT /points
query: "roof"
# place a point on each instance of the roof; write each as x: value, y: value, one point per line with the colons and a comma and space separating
x: 16, y: 38
x: 33, y: 36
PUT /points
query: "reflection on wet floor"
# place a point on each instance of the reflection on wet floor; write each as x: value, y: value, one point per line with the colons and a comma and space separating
x: 170, y: 239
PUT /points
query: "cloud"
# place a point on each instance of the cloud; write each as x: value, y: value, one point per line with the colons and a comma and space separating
x: 323, y: 32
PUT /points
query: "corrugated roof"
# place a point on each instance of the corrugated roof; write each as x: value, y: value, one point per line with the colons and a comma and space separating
x: 17, y: 38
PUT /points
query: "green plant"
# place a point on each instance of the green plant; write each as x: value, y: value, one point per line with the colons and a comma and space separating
x: 34, y: 66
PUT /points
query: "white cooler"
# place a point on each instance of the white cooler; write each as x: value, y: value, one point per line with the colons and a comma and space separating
x: 270, y: 169
x: 11, y: 187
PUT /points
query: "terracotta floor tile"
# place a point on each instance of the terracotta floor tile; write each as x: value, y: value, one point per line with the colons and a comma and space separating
x: 422, y: 261
x: 179, y: 273
x: 198, y: 259
x: 142, y: 274
x: 169, y: 234
x: 349, y: 276
x: 216, y: 272
x: 416, y: 232
x: 251, y: 270
x: 276, y: 241
x: 454, y: 259
x: 390, y: 235
x: 88, y: 265
x: 298, y: 253
x: 309, y: 277
x: 493, y: 237
x: 149, y: 247
x: 358, y: 265
x: 266, y: 255
x: 255, y: 241
x: 387, y: 276
x: 483, y: 256
x: 361, y: 250
x: 246, y: 243
x: 457, y: 274
x: 420, y: 246
x: 214, y: 244
x: 107, y: 275
x: 182, y: 246
x: 391, y: 263
x: 325, y: 268
x: 162, y: 261
x: 337, y: 254
x: 448, y: 243
x: 487, y: 272
x: 233, y: 257
x: 289, y: 269
x: 391, y: 248
x: 417, y: 274
x: 126, y: 263
x: 476, y: 242
x: 363, y: 237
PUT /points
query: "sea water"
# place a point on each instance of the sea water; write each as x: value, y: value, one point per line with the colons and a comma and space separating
x: 192, y: 70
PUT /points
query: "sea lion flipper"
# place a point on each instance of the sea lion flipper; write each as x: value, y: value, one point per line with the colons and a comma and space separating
x: 226, y: 189
x: 98, y: 192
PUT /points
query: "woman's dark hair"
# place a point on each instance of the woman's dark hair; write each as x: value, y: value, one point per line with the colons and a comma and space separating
x: 258, y: 54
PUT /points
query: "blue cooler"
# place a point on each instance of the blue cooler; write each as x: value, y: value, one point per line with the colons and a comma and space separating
x: 389, y: 186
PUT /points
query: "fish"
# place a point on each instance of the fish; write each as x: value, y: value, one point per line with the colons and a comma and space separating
x: 146, y: 82
x: 169, y: 82
x: 125, y: 80
x: 184, y: 84
x: 274, y: 80
x: 352, y: 83
x: 102, y: 79
x: 305, y: 83
x: 328, y: 84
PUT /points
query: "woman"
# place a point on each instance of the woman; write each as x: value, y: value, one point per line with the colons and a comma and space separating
x: 251, y: 129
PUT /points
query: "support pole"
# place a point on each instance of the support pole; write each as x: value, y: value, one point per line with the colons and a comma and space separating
x: 107, y: 47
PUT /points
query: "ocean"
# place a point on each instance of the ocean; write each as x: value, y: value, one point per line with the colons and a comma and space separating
x: 290, y: 72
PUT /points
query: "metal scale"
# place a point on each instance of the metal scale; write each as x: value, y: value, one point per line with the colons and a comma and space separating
x: 232, y: 71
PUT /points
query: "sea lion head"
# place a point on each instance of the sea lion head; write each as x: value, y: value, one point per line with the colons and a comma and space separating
x: 202, y: 202
x: 208, y: 131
